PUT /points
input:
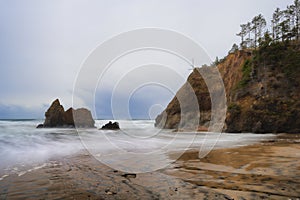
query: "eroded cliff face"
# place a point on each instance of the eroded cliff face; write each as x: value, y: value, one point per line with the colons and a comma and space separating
x: 183, y: 110
x: 267, y: 98
x: 262, y: 90
x: 231, y: 71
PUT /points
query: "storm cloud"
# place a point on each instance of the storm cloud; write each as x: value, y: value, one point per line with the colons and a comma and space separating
x: 44, y: 43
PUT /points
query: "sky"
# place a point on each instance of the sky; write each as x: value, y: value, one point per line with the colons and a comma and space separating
x: 43, y: 45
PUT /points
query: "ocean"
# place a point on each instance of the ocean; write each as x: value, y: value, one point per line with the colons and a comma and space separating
x: 23, y: 148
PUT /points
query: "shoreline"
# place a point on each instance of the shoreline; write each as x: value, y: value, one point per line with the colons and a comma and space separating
x: 268, y: 169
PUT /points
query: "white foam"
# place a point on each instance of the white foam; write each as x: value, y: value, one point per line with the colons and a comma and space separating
x: 24, y: 146
x: 2, y: 177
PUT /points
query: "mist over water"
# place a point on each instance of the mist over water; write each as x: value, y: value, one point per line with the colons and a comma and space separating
x: 22, y: 146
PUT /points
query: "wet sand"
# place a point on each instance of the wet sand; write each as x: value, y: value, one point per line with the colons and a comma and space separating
x: 268, y: 170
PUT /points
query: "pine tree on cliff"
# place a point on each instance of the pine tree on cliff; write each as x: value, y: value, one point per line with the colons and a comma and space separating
x: 292, y: 17
x: 245, y: 31
x: 277, y: 15
x: 249, y: 40
x: 288, y: 23
x: 243, y: 34
x: 285, y: 26
x: 297, y: 18
x: 258, y: 25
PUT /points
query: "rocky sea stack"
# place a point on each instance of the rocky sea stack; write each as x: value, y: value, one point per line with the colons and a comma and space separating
x: 56, y: 116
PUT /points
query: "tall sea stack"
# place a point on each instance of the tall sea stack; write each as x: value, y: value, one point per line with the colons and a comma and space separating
x: 56, y: 116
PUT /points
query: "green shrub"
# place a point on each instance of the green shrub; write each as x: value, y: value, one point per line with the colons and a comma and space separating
x: 246, y: 69
x: 234, y: 108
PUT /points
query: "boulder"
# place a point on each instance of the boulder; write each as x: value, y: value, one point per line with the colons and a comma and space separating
x: 111, y: 126
x: 83, y: 118
x: 56, y: 116
x: 40, y: 126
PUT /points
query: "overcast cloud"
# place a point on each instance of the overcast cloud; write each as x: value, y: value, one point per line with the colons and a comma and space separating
x: 44, y: 43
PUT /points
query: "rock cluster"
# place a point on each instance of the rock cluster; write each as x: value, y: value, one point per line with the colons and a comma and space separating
x: 56, y: 116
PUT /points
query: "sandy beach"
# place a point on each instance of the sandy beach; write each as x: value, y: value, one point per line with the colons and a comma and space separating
x: 266, y: 170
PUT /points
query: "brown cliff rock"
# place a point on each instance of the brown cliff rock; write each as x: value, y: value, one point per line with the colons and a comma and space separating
x: 182, y: 108
x: 262, y: 90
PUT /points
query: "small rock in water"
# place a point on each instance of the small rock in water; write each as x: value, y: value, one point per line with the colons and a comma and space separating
x: 111, y: 126
x: 40, y: 126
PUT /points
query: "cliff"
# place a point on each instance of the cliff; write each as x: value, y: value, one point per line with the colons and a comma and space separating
x: 183, y: 104
x: 262, y: 89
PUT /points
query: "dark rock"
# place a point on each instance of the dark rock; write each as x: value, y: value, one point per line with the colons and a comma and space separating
x: 40, y: 126
x: 111, y: 126
x: 129, y: 175
x: 68, y: 117
x: 56, y: 116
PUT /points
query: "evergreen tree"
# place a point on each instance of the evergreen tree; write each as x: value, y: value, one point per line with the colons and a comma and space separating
x: 258, y: 25
x: 275, y: 24
x: 249, y: 40
x: 266, y: 40
x: 296, y: 12
x: 261, y: 25
x: 284, y: 29
x: 285, y: 26
x: 243, y: 34
x: 289, y: 18
x: 234, y: 48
